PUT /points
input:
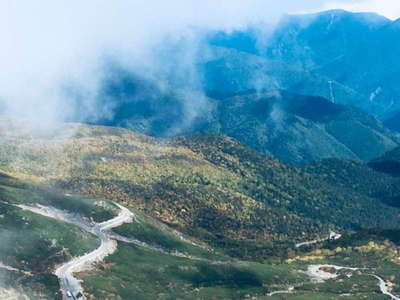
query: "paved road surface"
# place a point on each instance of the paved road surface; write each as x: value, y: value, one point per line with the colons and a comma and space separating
x: 384, y: 288
x: 65, y: 273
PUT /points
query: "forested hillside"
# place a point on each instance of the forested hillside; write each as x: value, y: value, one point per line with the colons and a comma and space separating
x: 208, y: 186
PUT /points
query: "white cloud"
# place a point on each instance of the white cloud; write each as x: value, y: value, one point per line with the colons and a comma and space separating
x: 46, y: 43
x: 49, y: 42
x: 388, y: 8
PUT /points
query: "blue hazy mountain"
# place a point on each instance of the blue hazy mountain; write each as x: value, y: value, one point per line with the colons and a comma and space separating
x: 393, y: 121
x: 388, y: 163
x: 298, y: 129
x: 292, y: 127
x: 349, y: 58
x: 336, y: 73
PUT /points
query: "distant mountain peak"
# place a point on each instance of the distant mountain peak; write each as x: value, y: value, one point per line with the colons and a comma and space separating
x: 340, y: 14
x: 336, y: 12
x: 343, y: 12
x: 395, y: 23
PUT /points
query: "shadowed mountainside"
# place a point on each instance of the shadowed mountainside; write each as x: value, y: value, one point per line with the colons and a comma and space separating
x: 388, y: 163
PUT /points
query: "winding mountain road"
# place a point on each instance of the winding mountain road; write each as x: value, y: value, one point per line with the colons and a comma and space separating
x: 71, y: 287
x: 384, y: 288
x: 318, y: 275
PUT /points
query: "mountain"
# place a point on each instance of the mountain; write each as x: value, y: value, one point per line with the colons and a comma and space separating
x: 388, y: 163
x: 299, y: 129
x: 42, y: 230
x: 208, y: 186
x: 230, y: 72
x: 266, y: 170
x: 315, y: 55
x: 213, y: 218
x: 393, y: 121
x: 293, y: 128
x: 155, y: 108
x: 330, y: 46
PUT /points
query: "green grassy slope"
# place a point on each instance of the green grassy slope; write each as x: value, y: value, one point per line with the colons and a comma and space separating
x: 34, y: 244
x: 145, y: 274
x: 137, y: 273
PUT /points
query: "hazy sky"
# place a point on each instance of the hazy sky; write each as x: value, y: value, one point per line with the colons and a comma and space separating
x: 388, y: 8
x: 47, y: 45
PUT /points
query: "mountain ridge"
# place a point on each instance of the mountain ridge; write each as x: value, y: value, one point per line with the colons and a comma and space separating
x: 208, y: 186
x: 300, y: 40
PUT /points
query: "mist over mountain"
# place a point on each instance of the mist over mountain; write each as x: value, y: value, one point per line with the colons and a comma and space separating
x: 349, y: 58
x: 321, y: 55
x: 299, y: 129
x: 199, y: 150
